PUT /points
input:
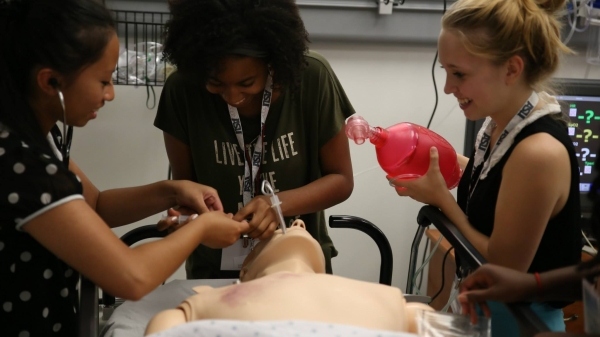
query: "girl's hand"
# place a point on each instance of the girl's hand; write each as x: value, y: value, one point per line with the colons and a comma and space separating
x: 197, y: 197
x: 263, y: 221
x: 494, y: 283
x: 429, y: 189
x: 220, y: 230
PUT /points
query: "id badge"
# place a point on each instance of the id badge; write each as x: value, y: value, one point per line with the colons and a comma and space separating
x: 591, y: 307
x: 233, y: 256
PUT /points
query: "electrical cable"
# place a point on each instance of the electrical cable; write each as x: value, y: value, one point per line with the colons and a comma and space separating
x: 443, y: 273
x: 148, y: 88
x: 433, y: 77
x: 434, y: 89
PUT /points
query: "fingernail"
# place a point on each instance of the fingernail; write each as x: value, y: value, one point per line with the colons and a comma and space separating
x: 174, y: 218
x: 193, y: 216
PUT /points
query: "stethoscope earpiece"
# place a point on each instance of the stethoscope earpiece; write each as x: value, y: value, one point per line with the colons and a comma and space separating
x: 53, y: 82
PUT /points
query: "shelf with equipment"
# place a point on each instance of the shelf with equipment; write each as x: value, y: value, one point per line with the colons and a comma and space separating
x: 141, y: 39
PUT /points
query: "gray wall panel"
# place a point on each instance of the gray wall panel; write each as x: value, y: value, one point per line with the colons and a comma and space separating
x: 414, y: 22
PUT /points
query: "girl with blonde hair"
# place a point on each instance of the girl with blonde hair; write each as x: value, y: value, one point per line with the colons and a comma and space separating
x: 518, y: 199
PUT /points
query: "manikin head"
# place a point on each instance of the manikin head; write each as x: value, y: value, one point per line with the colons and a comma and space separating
x: 295, y: 251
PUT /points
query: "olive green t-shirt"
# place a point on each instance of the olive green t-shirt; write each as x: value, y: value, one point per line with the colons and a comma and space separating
x: 298, y: 125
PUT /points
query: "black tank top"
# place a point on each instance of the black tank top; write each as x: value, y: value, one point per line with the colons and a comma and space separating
x: 561, y: 243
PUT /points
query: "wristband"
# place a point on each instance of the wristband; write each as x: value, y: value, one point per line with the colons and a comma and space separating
x: 539, y: 283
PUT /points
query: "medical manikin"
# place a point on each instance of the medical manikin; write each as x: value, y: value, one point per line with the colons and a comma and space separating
x: 284, y: 278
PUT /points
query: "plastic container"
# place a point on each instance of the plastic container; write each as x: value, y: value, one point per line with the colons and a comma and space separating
x: 403, y: 149
x: 434, y: 324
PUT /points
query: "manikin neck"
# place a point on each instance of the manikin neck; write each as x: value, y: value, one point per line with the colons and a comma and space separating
x: 295, y: 264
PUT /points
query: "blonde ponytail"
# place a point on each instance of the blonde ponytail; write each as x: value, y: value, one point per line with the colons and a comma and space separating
x: 551, y: 6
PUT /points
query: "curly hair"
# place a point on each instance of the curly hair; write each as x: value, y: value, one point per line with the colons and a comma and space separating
x: 202, y: 32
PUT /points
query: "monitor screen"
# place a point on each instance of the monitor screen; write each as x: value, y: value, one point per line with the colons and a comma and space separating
x: 584, y: 129
x: 580, y: 100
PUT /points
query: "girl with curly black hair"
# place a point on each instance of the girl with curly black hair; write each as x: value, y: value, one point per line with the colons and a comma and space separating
x: 57, y: 58
x: 250, y: 103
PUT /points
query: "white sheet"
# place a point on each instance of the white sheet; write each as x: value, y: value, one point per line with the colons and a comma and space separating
x: 228, y: 328
x: 130, y: 318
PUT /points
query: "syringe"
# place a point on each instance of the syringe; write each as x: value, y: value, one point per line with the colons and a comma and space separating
x: 275, y: 203
x: 180, y: 218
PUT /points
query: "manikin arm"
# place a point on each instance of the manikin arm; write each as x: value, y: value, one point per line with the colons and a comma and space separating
x: 165, y: 320
x: 169, y: 318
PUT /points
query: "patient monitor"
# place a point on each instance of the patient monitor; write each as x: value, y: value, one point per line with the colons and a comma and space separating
x: 283, y: 278
x: 584, y: 129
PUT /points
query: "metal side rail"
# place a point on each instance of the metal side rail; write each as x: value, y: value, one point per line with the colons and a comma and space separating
x: 529, y: 323
x: 88, y: 308
x: 133, y: 236
x: 89, y: 302
x: 385, y: 250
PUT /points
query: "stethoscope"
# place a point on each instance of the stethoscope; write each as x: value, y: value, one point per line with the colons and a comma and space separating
x: 67, y: 136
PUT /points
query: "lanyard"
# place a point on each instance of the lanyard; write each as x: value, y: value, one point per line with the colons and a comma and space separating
x: 251, y: 173
x: 483, y: 142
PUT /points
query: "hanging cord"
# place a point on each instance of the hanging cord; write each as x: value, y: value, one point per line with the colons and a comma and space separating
x: 434, y: 87
x: 148, y: 88
x: 433, y: 77
x: 443, y: 274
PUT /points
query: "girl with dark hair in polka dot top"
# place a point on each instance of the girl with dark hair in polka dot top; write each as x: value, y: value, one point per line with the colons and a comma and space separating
x: 56, y: 59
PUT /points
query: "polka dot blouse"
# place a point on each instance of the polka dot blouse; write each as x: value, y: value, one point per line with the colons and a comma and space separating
x: 38, y: 292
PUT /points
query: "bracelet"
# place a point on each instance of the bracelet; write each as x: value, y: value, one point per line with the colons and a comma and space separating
x: 539, y: 283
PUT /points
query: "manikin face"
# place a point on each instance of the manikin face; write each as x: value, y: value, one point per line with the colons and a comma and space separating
x: 281, y: 246
x: 239, y: 80
x: 92, y: 87
x: 478, y: 84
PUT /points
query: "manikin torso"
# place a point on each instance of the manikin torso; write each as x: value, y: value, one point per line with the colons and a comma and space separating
x: 311, y: 297
x: 279, y: 284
